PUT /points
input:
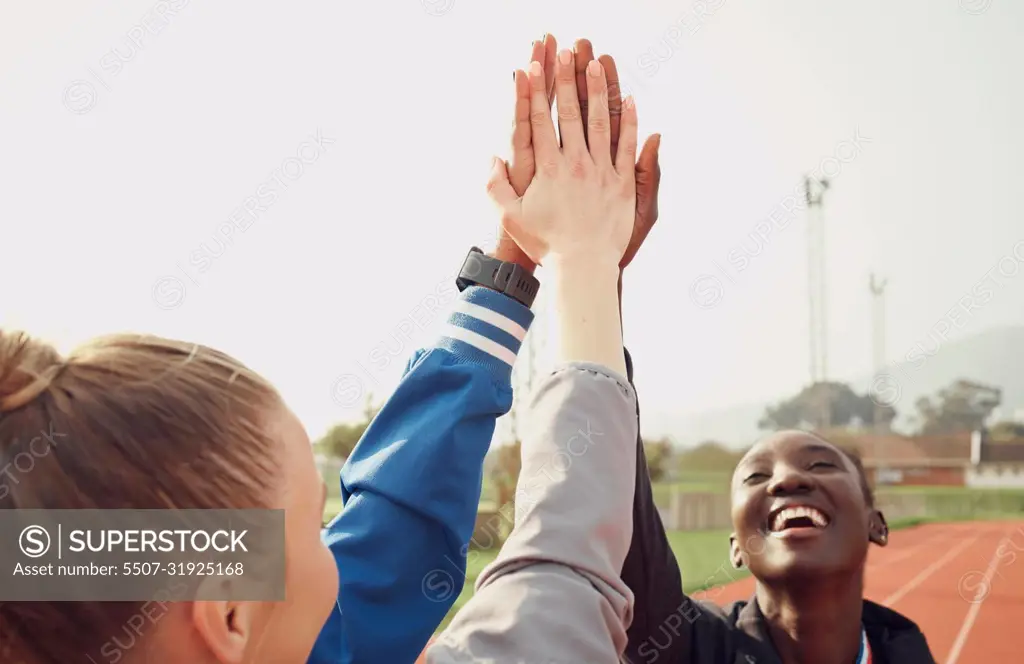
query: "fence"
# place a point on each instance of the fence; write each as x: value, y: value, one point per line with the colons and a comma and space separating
x: 711, y: 511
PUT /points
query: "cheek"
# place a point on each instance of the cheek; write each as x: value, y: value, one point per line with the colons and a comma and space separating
x: 316, y: 580
x: 311, y: 589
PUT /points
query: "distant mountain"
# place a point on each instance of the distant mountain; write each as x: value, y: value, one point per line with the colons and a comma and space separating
x: 989, y: 357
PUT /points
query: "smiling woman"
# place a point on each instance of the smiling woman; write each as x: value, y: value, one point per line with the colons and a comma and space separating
x: 803, y: 518
x: 786, y: 528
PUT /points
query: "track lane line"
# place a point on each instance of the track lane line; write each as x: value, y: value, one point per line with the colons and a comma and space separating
x: 927, y: 572
x: 972, y: 613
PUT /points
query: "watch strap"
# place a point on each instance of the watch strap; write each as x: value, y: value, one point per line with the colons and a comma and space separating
x: 511, y: 279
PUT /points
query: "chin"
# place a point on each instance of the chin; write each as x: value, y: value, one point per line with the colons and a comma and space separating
x: 796, y: 565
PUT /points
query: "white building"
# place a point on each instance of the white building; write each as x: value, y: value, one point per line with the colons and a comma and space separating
x: 995, y: 465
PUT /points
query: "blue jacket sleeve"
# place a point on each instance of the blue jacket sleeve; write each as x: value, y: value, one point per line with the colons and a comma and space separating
x: 411, y: 487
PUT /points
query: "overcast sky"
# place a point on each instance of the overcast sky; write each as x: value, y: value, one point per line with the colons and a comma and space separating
x: 134, y: 136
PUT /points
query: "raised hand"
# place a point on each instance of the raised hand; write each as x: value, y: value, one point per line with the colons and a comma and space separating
x: 522, y: 166
x: 581, y: 202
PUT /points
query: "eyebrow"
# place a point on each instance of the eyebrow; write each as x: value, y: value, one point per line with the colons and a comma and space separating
x: 827, y: 449
x: 811, y: 448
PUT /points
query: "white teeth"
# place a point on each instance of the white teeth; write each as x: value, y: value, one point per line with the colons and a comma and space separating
x: 814, y: 515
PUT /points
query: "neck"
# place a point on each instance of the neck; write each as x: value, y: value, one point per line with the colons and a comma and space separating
x: 817, y: 621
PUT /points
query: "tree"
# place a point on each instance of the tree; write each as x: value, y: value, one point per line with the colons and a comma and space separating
x: 506, y: 464
x: 709, y: 457
x: 341, y: 439
x: 962, y: 407
x: 845, y: 407
x: 1006, y: 432
x: 659, y: 456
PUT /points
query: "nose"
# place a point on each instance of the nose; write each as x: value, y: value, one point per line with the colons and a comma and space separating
x: 789, y: 480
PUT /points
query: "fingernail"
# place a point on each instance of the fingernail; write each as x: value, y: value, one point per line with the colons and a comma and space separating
x: 594, y: 68
x: 565, y: 57
x: 536, y: 69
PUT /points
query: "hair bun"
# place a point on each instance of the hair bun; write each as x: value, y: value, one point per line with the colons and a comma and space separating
x: 27, y: 367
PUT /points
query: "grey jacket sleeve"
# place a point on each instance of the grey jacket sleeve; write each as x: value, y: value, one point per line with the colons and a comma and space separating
x: 553, y: 595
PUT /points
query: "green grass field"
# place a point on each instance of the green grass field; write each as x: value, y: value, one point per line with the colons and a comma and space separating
x: 663, y: 491
x: 703, y: 555
x: 703, y: 558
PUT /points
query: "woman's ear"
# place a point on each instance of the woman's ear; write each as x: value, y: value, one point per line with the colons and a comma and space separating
x: 878, y: 529
x: 228, y: 628
x: 222, y: 627
x: 735, y: 555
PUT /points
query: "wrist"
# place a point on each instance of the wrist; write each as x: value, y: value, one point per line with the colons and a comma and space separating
x: 591, y: 266
x: 585, y: 299
x: 490, y: 271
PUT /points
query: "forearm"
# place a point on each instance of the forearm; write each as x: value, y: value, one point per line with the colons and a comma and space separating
x: 652, y: 573
x: 572, y: 531
x: 415, y: 476
x: 586, y: 299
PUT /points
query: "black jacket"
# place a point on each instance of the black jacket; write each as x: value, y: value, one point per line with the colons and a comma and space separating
x: 670, y: 628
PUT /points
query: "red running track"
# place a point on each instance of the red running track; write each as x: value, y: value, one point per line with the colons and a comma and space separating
x: 962, y: 583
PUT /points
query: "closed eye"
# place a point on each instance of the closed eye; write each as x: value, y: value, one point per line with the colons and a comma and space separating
x: 754, y: 476
x: 822, y: 464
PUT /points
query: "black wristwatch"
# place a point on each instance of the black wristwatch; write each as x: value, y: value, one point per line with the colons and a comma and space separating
x: 511, y: 279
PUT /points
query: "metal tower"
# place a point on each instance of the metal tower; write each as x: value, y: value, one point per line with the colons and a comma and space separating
x: 816, y: 287
x: 877, y: 287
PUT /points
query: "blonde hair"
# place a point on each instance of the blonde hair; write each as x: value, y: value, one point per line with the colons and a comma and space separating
x: 126, y: 422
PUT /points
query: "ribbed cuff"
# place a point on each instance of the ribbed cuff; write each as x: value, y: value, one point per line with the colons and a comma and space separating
x: 486, y: 327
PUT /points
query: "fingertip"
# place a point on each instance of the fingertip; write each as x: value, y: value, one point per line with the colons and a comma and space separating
x: 594, y: 68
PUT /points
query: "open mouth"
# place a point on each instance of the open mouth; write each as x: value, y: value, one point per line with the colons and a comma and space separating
x: 796, y: 518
